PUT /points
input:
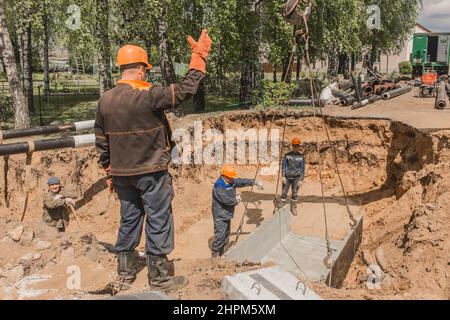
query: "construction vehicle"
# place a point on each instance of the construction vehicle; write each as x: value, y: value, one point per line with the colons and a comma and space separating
x: 431, y: 54
x: 428, y: 86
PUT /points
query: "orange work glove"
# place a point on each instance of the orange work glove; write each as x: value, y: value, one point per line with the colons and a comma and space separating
x: 200, y: 50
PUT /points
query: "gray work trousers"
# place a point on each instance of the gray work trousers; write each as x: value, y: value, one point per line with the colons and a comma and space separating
x: 148, y: 197
x: 221, y: 235
x: 291, y: 183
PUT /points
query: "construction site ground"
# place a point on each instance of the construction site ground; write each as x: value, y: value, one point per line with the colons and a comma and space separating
x: 395, y: 173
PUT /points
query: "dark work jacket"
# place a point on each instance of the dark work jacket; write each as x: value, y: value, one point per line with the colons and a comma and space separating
x: 224, y: 197
x: 132, y: 132
x: 293, y: 165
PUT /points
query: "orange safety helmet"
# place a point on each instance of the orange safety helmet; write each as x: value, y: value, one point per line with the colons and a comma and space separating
x: 296, y: 141
x: 229, y: 171
x: 129, y: 54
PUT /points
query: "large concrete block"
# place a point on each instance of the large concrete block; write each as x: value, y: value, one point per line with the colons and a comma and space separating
x: 266, y: 237
x: 273, y: 283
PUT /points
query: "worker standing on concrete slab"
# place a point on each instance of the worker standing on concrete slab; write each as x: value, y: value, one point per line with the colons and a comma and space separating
x: 293, y: 170
x: 55, y: 201
x: 224, y: 200
x: 134, y: 139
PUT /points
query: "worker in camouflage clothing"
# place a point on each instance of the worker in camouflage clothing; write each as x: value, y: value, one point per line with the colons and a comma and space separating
x: 56, y: 201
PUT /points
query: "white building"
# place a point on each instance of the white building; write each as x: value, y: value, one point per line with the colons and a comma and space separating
x: 389, y: 63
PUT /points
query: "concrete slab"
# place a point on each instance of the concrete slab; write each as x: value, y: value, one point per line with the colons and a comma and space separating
x: 303, y: 256
x: 256, y: 246
x: 273, y: 283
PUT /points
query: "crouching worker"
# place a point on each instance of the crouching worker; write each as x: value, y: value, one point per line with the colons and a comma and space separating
x: 56, y: 201
x: 224, y: 199
x: 293, y: 169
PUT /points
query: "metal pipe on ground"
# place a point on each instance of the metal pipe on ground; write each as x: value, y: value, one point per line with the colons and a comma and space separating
x: 396, y: 92
x: 357, y: 91
x: 441, y: 100
x: 447, y: 87
x: 27, y: 132
x: 375, y: 82
x: 50, y: 144
x: 339, y: 94
x: 368, y: 90
x: 306, y: 102
x: 360, y: 105
x: 347, y: 101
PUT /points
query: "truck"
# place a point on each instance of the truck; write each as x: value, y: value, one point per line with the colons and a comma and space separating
x: 431, y: 54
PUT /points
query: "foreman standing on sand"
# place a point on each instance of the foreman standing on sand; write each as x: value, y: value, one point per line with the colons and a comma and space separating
x: 133, y: 137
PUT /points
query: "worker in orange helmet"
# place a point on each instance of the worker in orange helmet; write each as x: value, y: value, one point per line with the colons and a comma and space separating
x: 293, y: 171
x: 224, y: 200
x: 134, y: 139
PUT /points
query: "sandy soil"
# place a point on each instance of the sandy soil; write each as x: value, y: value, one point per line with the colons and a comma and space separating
x: 394, y: 174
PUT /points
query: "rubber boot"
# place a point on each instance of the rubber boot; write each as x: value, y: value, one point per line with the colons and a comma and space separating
x: 294, y: 207
x: 160, y: 274
x: 126, y: 269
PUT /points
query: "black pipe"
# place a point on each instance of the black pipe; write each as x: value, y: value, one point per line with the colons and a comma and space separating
x: 375, y: 82
x: 374, y: 98
x: 441, y: 101
x: 347, y: 101
x: 368, y: 90
x: 355, y: 85
x: 307, y: 102
x: 27, y: 132
x: 373, y: 74
x: 360, y: 104
x: 396, y: 92
x: 50, y: 144
x: 20, y: 133
x: 339, y: 94
x: 360, y: 86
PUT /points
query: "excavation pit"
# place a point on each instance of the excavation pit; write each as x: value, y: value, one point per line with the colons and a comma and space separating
x: 394, y: 176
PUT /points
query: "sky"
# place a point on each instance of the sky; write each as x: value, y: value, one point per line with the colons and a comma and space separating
x: 435, y: 15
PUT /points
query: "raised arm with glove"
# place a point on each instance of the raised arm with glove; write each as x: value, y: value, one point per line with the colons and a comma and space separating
x: 200, y: 51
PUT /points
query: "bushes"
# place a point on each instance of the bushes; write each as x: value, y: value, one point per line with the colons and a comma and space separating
x: 405, y: 67
x: 6, y: 108
x: 272, y: 94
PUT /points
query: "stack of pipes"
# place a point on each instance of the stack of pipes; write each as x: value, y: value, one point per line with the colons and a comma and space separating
x: 358, y: 94
x: 74, y: 141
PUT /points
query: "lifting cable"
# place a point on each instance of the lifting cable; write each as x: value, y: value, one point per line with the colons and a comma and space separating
x: 313, y: 89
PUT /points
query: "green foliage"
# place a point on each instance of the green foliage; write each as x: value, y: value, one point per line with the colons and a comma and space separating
x: 6, y: 108
x: 398, y: 19
x: 273, y: 94
x: 405, y: 67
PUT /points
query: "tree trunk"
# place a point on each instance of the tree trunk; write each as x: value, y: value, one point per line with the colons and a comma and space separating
x: 28, y: 68
x: 46, y: 62
x: 22, y: 119
x: 199, y: 99
x: 343, y: 67
x: 104, y: 45
x: 167, y: 70
x: 275, y: 74
x: 298, y: 68
x: 287, y: 71
x: 373, y: 55
x: 332, y: 63
x: 250, y: 66
x: 353, y: 62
